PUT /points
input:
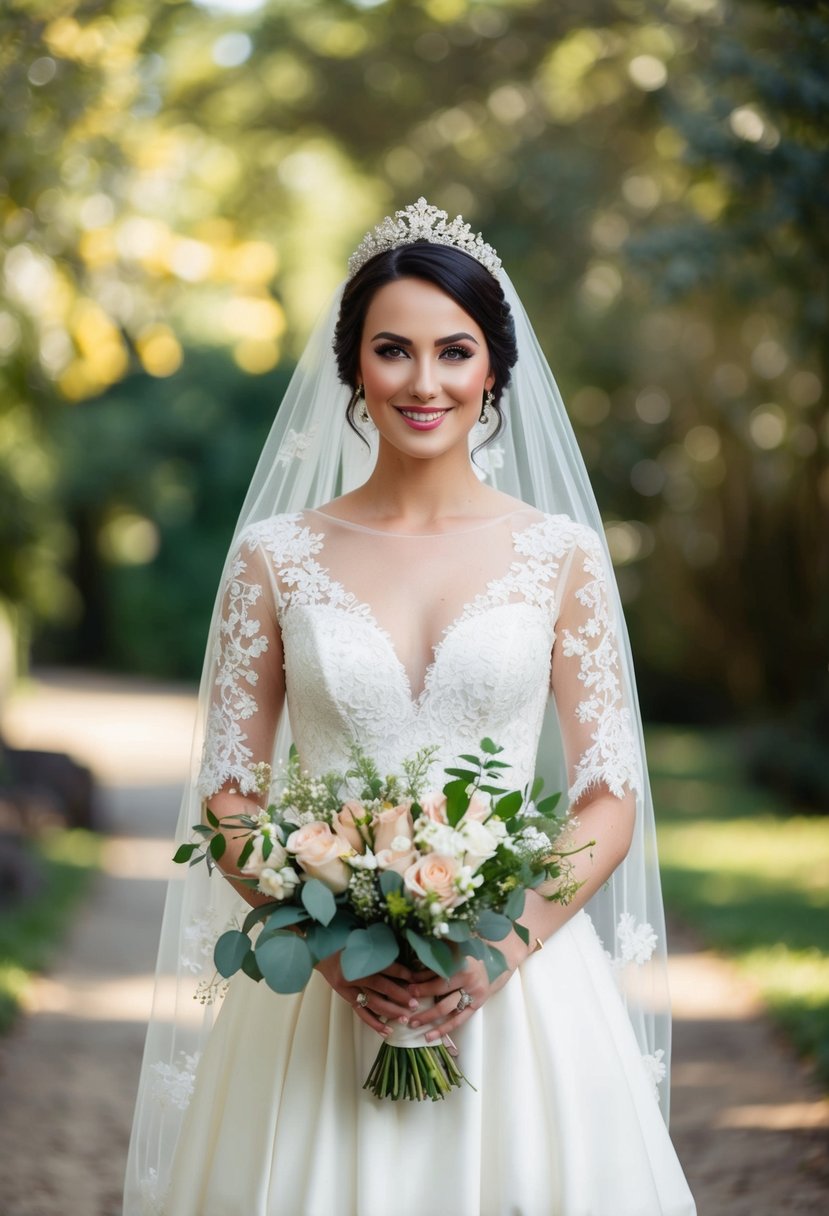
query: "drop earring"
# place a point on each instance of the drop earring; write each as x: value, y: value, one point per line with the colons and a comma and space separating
x: 489, y: 400
x: 362, y: 412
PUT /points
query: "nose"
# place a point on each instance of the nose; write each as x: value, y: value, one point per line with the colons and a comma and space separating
x: 424, y: 384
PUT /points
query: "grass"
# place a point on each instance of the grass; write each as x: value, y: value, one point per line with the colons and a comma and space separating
x: 31, y: 930
x: 750, y: 874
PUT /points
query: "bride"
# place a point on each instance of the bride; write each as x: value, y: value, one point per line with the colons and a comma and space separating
x: 421, y: 563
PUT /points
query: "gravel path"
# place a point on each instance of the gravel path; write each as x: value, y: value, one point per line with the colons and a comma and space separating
x: 750, y: 1127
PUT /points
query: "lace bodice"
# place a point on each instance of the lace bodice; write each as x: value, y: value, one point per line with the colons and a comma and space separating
x: 398, y: 641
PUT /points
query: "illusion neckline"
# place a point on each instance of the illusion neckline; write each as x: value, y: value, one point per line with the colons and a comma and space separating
x: 476, y: 527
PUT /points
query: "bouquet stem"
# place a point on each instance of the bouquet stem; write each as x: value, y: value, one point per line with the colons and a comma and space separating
x: 408, y: 1067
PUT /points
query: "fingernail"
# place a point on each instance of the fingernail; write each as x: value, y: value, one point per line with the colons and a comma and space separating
x: 415, y: 1023
x: 404, y: 1021
x: 430, y: 1038
x: 413, y: 1004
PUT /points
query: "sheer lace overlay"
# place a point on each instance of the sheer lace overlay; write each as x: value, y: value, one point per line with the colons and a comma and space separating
x: 456, y: 639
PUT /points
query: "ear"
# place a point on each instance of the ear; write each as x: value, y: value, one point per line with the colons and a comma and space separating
x: 489, y: 383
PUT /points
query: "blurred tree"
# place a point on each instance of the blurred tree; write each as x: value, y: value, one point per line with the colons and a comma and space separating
x: 196, y: 173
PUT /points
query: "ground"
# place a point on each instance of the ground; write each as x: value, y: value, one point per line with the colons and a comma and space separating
x: 750, y: 1126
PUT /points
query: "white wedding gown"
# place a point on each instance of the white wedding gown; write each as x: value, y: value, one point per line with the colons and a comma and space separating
x: 394, y: 642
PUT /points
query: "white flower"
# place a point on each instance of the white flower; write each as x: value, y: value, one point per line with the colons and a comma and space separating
x: 656, y: 1070
x: 257, y: 862
x: 468, y: 880
x: 439, y: 838
x: 361, y: 861
x: 278, y: 883
x: 478, y: 841
x: 532, y: 839
x: 637, y: 942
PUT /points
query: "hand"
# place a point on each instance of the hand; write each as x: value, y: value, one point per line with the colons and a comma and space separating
x: 445, y: 1016
x: 388, y: 992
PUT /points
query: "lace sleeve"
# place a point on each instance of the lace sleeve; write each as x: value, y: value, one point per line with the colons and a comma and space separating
x: 595, y: 723
x: 248, y: 686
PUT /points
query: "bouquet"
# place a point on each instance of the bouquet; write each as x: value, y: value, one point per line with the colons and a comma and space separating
x: 383, y: 870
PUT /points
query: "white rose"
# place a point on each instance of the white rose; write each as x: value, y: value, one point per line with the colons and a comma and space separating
x: 479, y: 842
x: 257, y: 862
x: 278, y: 883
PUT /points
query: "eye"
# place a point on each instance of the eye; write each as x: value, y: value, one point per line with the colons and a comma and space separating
x: 389, y: 351
x: 456, y: 353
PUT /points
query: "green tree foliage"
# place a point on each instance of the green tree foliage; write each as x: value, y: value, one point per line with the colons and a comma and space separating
x: 193, y: 174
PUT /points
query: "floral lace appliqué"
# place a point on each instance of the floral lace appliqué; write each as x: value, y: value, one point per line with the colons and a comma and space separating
x: 197, y: 941
x: 637, y: 942
x: 295, y: 446
x: 656, y: 1070
x: 174, y: 1083
x: 226, y: 755
x: 611, y: 757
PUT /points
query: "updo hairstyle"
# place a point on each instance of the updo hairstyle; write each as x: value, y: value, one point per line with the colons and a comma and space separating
x: 468, y: 283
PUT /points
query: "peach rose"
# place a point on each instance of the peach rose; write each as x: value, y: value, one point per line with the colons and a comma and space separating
x: 433, y: 807
x: 319, y: 852
x: 399, y: 856
x: 434, y: 874
x: 346, y: 828
x: 394, y: 821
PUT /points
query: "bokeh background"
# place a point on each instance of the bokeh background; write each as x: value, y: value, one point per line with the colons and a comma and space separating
x: 180, y: 186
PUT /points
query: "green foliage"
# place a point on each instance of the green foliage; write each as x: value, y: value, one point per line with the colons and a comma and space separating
x: 32, y: 929
x: 750, y: 873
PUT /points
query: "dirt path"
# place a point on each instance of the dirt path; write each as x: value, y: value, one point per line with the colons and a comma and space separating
x: 750, y: 1128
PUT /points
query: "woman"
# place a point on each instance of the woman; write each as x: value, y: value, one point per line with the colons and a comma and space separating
x: 424, y: 606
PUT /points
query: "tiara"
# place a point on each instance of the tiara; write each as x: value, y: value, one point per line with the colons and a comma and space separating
x: 422, y: 222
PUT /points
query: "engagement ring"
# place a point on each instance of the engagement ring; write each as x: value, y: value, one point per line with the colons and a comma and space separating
x: 362, y: 999
x: 465, y: 1000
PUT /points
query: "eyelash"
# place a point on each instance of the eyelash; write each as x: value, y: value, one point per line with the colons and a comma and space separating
x: 458, y: 350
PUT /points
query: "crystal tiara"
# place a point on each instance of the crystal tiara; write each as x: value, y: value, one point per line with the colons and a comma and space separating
x: 422, y: 222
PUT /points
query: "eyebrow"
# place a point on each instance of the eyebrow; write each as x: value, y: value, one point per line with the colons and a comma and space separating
x: 408, y: 342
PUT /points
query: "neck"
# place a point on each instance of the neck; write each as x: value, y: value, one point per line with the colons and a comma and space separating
x: 419, y: 492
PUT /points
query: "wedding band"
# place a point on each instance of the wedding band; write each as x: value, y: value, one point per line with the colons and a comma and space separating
x: 465, y: 1000
x: 362, y: 999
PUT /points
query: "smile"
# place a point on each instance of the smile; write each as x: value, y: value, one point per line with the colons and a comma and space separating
x: 423, y: 419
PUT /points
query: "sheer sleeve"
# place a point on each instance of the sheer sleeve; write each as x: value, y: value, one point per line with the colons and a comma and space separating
x: 247, y: 676
x: 592, y: 706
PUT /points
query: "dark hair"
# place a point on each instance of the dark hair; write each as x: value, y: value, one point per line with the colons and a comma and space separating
x: 458, y: 274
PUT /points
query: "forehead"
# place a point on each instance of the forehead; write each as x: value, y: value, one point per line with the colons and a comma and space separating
x: 411, y: 307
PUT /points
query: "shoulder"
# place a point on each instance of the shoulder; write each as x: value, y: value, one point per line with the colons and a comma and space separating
x: 284, y: 538
x: 556, y: 536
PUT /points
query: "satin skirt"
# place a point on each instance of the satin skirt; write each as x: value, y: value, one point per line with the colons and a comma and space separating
x: 563, y: 1120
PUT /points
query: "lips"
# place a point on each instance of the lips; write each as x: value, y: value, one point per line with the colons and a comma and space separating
x: 422, y: 420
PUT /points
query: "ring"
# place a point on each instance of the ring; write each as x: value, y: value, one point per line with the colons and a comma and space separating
x: 362, y: 999
x: 465, y: 1000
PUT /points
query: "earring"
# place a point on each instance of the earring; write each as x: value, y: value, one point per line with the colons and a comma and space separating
x: 362, y: 412
x: 489, y: 400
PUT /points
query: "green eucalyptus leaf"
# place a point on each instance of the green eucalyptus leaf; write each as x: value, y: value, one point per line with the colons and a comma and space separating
x: 282, y: 915
x: 324, y: 940
x: 229, y: 952
x: 202, y: 829
x: 368, y: 951
x: 247, y: 849
x: 514, y: 905
x: 494, y: 962
x: 459, y: 931
x: 251, y: 967
x: 255, y: 915
x: 433, y: 954
x: 523, y: 932
x: 184, y: 852
x: 217, y: 846
x: 493, y: 926
x: 210, y: 817
x: 285, y: 961
x: 390, y: 882
x: 319, y: 900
